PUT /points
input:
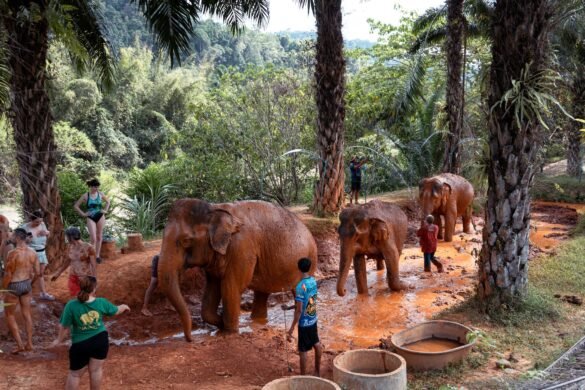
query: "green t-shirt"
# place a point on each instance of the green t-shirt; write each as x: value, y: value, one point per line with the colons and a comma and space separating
x: 85, y: 319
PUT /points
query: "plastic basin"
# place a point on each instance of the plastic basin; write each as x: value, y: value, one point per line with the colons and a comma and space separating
x: 301, y: 383
x: 369, y: 369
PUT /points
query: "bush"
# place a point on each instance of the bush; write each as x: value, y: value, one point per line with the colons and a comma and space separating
x: 142, y: 181
x: 70, y: 189
x: 558, y: 189
x: 146, y: 214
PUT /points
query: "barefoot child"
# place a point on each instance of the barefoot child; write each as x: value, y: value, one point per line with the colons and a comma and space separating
x: 306, y: 316
x: 428, y: 234
x: 22, y: 268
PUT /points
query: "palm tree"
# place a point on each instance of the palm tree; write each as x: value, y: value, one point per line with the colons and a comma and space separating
x: 330, y: 91
x: 569, y: 44
x: 454, y: 91
x: 452, y: 25
x: 25, y: 28
x: 518, y: 74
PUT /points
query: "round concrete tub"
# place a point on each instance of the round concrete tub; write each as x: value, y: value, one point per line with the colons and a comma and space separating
x: 370, y: 369
x: 445, y: 331
x: 301, y: 383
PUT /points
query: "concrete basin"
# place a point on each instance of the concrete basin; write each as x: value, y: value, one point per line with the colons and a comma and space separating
x: 370, y: 369
x: 432, y: 345
x: 301, y: 383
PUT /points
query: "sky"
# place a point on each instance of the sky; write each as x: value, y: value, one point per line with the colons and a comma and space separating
x: 286, y: 15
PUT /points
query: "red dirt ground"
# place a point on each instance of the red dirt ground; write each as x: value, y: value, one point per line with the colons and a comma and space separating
x: 151, y: 352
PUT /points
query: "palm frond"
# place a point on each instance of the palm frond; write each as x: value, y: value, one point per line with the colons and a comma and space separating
x: 429, y: 38
x: 480, y: 12
x: 308, y: 4
x: 233, y: 12
x: 410, y: 90
x: 4, y: 71
x: 429, y: 19
x: 79, y: 26
x: 171, y: 21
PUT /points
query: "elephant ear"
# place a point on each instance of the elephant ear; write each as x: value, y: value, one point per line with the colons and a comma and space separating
x: 379, y: 230
x: 222, y: 225
x: 446, y: 193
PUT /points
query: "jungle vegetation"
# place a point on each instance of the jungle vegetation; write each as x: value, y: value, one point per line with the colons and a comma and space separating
x: 224, y: 113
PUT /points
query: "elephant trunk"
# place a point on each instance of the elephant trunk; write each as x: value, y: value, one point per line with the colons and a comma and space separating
x: 169, y: 265
x: 345, y: 259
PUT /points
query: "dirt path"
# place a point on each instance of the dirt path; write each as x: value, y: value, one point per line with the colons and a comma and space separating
x: 150, y: 352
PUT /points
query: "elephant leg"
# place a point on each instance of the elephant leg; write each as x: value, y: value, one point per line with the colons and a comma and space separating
x: 467, y: 220
x: 439, y: 223
x: 233, y: 284
x: 210, y: 302
x: 259, y: 307
x: 379, y: 264
x: 392, y: 257
x: 361, y: 276
x: 450, y: 220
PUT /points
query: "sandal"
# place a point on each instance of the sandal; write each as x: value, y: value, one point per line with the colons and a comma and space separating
x: 98, y: 260
x: 47, y: 297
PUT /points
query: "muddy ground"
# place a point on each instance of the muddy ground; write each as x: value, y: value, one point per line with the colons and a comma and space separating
x: 151, y: 352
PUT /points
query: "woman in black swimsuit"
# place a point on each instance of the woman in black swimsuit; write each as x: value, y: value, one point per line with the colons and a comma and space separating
x: 97, y: 207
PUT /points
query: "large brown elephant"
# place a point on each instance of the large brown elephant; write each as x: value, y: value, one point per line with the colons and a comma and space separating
x: 450, y: 196
x: 377, y: 230
x: 250, y: 244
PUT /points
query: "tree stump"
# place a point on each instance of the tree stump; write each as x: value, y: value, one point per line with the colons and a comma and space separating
x: 108, y: 250
x: 135, y: 242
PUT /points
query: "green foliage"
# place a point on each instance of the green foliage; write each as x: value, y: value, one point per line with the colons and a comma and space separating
x: 558, y: 189
x: 76, y: 151
x: 141, y: 182
x: 71, y: 187
x: 146, y: 214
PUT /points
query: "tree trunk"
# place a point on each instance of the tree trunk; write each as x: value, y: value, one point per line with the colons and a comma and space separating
x: 574, y: 163
x: 454, y: 93
x: 32, y: 121
x: 520, y: 38
x: 330, y: 90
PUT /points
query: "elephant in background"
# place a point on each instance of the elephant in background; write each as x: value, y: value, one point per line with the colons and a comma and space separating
x: 378, y: 230
x: 250, y: 244
x: 448, y: 195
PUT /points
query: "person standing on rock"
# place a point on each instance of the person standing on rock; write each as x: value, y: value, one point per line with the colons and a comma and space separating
x: 38, y: 241
x: 428, y: 236
x: 97, y: 207
x: 89, y: 337
x: 306, y: 316
x: 22, y: 268
x: 82, y: 259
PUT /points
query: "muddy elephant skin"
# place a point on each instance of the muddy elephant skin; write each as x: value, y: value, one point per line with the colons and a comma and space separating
x: 249, y: 244
x: 377, y: 230
x: 450, y: 196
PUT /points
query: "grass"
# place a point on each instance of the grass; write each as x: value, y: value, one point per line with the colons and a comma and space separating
x: 538, y: 329
x: 559, y: 189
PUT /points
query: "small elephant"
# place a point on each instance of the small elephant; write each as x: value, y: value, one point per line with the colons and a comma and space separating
x: 378, y: 230
x: 448, y: 195
x: 250, y: 244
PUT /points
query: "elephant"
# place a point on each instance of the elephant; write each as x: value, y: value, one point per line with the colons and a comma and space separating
x: 247, y: 244
x: 378, y: 230
x: 448, y: 195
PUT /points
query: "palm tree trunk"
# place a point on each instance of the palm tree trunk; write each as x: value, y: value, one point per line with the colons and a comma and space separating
x: 455, y: 32
x: 330, y: 90
x: 520, y: 38
x: 32, y: 121
x: 574, y: 163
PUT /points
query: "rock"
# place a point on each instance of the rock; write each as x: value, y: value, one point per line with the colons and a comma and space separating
x: 509, y: 371
x: 512, y: 358
x: 573, y: 299
x: 503, y: 363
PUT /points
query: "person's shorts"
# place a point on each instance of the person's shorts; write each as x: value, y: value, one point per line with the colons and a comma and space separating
x: 42, y: 256
x: 356, y: 185
x: 18, y: 289
x: 73, y: 285
x: 308, y: 337
x: 96, y: 217
x: 154, y: 267
x: 95, y: 347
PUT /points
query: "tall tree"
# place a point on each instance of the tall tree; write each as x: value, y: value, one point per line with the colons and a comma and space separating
x: 330, y: 93
x: 25, y: 27
x: 455, y: 88
x: 518, y: 75
x: 569, y: 44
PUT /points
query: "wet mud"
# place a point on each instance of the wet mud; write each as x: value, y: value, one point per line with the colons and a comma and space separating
x: 432, y: 345
x: 150, y: 352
